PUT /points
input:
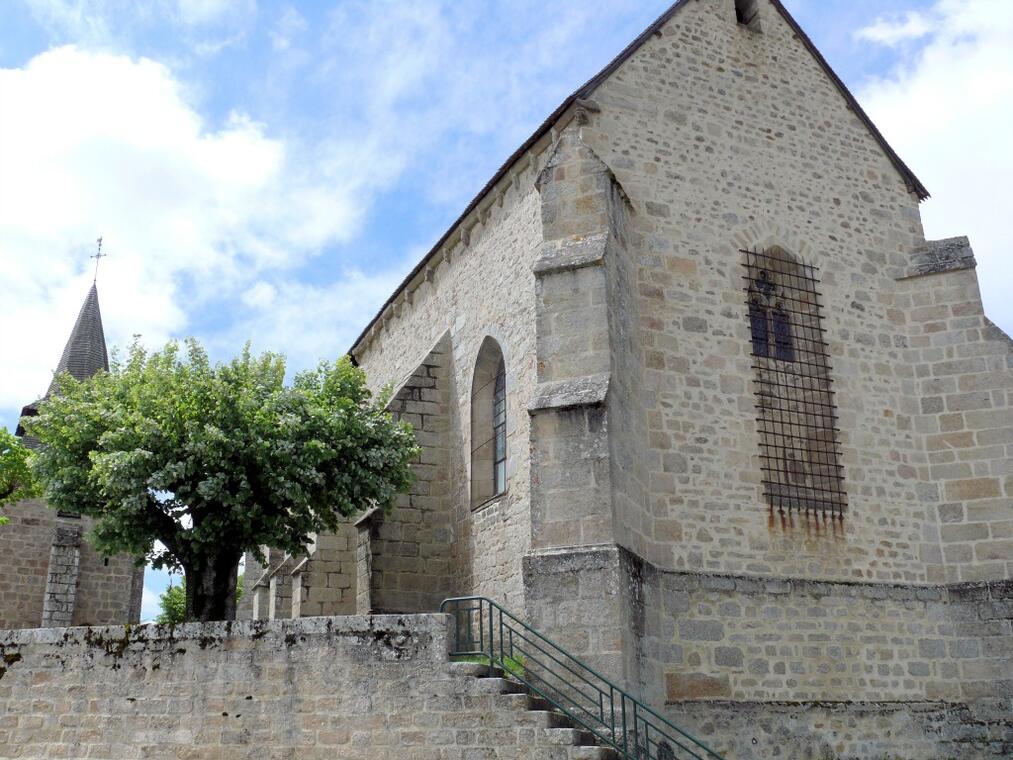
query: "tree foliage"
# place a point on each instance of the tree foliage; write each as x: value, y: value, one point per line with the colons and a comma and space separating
x: 211, y: 460
x: 172, y: 603
x: 16, y: 481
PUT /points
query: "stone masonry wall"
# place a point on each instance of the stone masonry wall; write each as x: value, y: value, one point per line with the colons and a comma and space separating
x: 483, y: 287
x: 775, y: 668
x: 963, y: 367
x: 355, y: 687
x: 410, y: 557
x: 724, y: 637
x: 324, y: 582
x: 61, y: 581
x: 24, y: 545
x: 109, y: 588
x: 724, y: 138
x: 104, y: 591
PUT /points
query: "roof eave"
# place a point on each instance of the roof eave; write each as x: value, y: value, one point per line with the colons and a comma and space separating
x: 556, y: 119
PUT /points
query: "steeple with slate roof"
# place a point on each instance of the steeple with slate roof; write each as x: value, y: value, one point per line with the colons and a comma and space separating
x: 85, y: 352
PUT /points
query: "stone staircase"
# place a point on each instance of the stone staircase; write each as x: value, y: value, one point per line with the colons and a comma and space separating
x: 508, y: 715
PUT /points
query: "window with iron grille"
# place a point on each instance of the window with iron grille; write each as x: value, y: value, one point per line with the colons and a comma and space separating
x: 796, y: 415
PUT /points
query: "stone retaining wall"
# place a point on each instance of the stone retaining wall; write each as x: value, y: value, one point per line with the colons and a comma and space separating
x: 353, y: 687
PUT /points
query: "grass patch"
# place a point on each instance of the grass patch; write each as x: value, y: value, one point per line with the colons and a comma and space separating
x: 513, y: 666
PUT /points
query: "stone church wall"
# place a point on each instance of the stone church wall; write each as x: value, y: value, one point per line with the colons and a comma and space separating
x: 963, y: 367
x: 725, y: 138
x: 404, y: 555
x: 483, y: 288
x: 796, y: 669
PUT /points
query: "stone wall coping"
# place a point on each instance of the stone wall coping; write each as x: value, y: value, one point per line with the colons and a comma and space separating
x: 281, y: 568
x: 589, y: 390
x: 564, y: 559
x: 874, y: 706
x: 570, y: 253
x: 937, y: 256
x: 204, y: 634
x: 368, y: 517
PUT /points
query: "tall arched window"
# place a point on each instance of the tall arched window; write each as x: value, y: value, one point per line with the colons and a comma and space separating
x: 796, y: 412
x: 488, y: 424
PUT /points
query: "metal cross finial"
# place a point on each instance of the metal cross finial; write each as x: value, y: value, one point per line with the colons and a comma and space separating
x: 98, y: 255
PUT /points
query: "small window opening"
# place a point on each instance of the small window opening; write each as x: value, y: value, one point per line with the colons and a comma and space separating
x: 747, y: 13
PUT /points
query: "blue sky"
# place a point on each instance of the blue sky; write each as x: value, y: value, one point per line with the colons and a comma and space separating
x: 270, y: 171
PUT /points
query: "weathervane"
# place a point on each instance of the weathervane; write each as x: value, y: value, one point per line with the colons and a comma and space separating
x: 98, y: 255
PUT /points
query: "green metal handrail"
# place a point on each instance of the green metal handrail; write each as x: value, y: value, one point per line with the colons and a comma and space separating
x: 484, y: 630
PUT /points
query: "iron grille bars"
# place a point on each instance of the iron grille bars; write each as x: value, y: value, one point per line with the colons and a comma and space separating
x: 796, y: 415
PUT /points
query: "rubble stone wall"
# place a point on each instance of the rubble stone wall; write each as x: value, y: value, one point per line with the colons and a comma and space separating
x: 41, y: 551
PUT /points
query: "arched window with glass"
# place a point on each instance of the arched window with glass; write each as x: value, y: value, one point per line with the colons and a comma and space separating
x: 488, y: 424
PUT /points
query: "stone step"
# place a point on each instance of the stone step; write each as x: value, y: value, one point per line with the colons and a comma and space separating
x: 499, y: 686
x: 593, y: 753
x: 474, y: 669
x: 573, y: 737
x: 518, y: 702
x: 552, y: 719
x: 553, y: 727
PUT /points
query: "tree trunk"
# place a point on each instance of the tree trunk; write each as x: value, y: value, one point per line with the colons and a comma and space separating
x: 211, y: 588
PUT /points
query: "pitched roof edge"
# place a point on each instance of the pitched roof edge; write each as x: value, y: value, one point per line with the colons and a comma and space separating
x: 543, y: 128
x: 913, y: 183
x: 585, y: 90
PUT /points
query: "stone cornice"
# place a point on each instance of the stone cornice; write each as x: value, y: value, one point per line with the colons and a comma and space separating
x: 589, y: 390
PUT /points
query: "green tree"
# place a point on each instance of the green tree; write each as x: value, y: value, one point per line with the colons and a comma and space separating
x: 16, y: 481
x: 172, y: 602
x: 189, y: 464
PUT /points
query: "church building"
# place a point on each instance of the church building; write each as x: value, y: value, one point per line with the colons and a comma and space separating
x: 50, y: 576
x: 697, y: 399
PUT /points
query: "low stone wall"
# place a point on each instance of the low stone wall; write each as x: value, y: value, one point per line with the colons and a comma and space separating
x: 353, y: 687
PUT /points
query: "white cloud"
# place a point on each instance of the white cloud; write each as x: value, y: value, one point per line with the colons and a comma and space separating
x: 308, y: 322
x: 290, y: 25
x: 910, y: 26
x: 108, y: 145
x: 203, y: 27
x: 458, y: 86
x: 201, y: 12
x: 77, y: 19
x: 949, y: 114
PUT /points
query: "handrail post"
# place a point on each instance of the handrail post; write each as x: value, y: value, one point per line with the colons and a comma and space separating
x: 612, y: 711
x: 501, y: 660
x: 622, y: 702
x: 636, y: 733
x: 492, y: 670
x: 575, y: 676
